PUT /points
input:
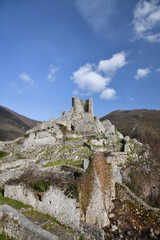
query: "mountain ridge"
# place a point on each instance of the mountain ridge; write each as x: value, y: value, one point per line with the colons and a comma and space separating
x: 13, y: 125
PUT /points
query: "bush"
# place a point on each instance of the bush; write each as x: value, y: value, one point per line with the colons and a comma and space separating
x: 41, y: 186
x: 2, y: 154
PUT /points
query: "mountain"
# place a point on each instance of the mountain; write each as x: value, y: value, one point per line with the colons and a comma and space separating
x: 13, y: 125
x: 141, y: 124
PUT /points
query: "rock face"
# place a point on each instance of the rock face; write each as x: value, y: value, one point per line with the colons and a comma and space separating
x: 72, y: 166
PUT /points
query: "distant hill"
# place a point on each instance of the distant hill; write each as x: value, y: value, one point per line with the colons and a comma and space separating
x: 13, y: 125
x: 142, y: 124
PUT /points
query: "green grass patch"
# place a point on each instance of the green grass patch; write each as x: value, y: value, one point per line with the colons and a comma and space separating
x: 98, y: 146
x: 3, y: 154
x: 81, y: 238
x: 4, y: 236
x: 85, y: 151
x: 36, y: 215
x: 53, y: 221
x: 69, y: 162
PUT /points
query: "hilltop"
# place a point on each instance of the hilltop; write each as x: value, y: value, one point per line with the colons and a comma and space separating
x: 141, y: 124
x: 13, y: 125
x: 82, y: 174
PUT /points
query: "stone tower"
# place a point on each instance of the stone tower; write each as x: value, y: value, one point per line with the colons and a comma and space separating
x: 80, y: 107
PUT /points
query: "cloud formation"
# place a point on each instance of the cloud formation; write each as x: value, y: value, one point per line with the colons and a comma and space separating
x: 146, y: 20
x: 51, y: 75
x: 108, y: 93
x: 97, y: 13
x: 111, y: 65
x: 142, y: 72
x: 92, y: 78
x: 26, y: 78
x: 88, y: 79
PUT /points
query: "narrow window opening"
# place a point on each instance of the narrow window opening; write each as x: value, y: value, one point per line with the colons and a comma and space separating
x: 39, y: 197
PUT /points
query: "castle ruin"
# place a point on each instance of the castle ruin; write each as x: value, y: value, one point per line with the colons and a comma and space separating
x: 79, y: 107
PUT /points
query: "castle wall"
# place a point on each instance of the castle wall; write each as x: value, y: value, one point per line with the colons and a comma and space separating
x: 53, y: 202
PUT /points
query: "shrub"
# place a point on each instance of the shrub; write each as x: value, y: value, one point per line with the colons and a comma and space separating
x: 2, y: 154
x: 41, y: 186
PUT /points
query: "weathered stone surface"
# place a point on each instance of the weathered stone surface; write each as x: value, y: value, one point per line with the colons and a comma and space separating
x: 16, y: 225
x: 91, y: 232
x: 39, y: 139
x: 7, y: 175
x: 22, y: 163
x: 109, y: 127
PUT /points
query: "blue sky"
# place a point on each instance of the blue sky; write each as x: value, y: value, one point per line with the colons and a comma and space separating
x: 51, y: 50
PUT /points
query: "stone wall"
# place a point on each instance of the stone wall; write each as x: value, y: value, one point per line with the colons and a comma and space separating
x: 53, y: 202
x: 16, y: 225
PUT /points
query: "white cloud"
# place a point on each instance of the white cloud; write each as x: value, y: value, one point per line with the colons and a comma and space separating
x: 108, y: 93
x: 108, y: 66
x: 142, y: 72
x: 88, y: 79
x: 92, y: 78
x: 146, y: 20
x: 158, y: 70
x: 25, y: 77
x: 97, y: 13
x: 52, y: 70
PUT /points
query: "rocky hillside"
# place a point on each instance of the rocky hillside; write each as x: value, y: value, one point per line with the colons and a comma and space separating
x: 141, y: 124
x: 83, y: 175
x: 13, y: 125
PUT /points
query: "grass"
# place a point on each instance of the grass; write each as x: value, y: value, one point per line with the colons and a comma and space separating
x: 36, y: 215
x: 53, y: 221
x: 69, y: 162
x: 81, y: 238
x: 98, y: 146
x: 13, y: 203
x: 3, y: 236
x: 3, y: 154
x: 74, y: 139
x: 85, y: 151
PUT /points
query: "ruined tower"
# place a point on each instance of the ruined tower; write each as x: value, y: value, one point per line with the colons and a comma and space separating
x: 79, y: 105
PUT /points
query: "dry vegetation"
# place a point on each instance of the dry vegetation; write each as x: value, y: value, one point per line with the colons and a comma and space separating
x: 98, y: 165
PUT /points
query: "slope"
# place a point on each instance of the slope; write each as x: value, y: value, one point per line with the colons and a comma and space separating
x: 13, y: 125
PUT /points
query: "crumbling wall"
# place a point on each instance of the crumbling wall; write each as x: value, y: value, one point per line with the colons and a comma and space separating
x: 53, y: 202
x: 16, y: 225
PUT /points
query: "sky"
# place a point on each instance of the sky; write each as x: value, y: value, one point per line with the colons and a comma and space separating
x: 53, y: 50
